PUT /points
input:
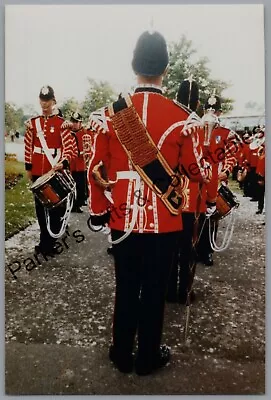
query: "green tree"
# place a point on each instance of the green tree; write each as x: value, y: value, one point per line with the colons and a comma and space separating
x: 181, y: 66
x: 14, y: 118
x: 98, y: 95
x: 69, y: 106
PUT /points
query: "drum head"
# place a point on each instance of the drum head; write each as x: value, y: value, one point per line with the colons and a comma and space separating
x: 42, y: 179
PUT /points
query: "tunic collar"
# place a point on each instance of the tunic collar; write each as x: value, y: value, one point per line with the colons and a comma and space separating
x: 148, y: 87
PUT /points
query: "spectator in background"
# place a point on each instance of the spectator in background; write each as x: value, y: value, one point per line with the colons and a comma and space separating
x: 12, y: 136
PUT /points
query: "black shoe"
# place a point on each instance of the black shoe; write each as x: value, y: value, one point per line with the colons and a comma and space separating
x: 183, y: 297
x: 79, y: 210
x: 48, y: 251
x: 146, y: 367
x: 208, y: 261
x: 123, y: 362
x: 110, y: 250
x: 259, y: 212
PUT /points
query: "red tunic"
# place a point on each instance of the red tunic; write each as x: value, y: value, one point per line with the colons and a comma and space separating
x: 250, y: 157
x: 260, y: 170
x: 207, y: 191
x: 164, y: 121
x: 59, y: 142
x: 82, y: 150
x: 225, y: 146
x: 88, y: 139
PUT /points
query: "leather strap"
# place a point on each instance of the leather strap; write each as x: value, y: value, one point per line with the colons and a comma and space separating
x: 40, y: 135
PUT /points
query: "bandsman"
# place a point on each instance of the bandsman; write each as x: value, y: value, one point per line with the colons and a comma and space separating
x: 47, y: 146
x: 225, y: 147
x: 199, y: 198
x: 142, y: 142
x: 81, y: 159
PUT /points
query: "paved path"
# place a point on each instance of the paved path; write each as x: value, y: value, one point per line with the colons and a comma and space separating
x: 58, y: 319
x: 16, y: 148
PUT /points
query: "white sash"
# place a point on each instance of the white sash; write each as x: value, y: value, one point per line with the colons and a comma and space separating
x: 53, y: 161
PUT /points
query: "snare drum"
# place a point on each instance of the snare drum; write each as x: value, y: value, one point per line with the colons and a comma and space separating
x: 225, y: 202
x: 53, y: 188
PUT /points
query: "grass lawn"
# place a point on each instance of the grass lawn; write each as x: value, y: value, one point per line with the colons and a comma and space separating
x: 19, y: 204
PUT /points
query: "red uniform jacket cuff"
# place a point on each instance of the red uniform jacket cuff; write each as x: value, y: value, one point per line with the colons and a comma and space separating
x: 28, y: 166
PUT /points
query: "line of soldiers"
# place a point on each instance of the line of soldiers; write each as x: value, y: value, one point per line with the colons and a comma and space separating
x: 153, y: 175
x: 250, y: 169
x: 222, y: 152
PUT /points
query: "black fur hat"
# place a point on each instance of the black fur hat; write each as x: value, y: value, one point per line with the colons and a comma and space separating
x: 150, y: 54
x: 188, y: 94
x: 213, y: 102
x: 76, y: 117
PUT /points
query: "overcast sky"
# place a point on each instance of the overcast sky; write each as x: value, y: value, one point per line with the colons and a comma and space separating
x: 63, y: 45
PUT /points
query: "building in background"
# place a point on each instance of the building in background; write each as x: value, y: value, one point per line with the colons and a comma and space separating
x: 239, y: 123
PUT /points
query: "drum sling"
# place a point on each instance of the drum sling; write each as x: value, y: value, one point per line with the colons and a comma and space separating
x: 40, y: 135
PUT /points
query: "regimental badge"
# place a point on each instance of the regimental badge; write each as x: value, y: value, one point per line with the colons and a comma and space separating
x: 76, y: 115
x: 212, y: 100
x: 217, y: 139
x: 52, y: 129
x: 45, y: 90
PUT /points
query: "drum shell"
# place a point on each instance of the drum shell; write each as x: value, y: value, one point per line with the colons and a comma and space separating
x: 53, y: 188
x: 225, y: 202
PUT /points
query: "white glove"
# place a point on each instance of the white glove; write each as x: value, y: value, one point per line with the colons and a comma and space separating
x: 210, y: 211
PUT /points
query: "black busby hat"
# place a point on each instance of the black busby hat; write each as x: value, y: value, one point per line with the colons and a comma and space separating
x: 256, y: 129
x: 47, y: 93
x: 150, y: 54
x: 76, y: 117
x: 188, y: 94
x: 213, y: 102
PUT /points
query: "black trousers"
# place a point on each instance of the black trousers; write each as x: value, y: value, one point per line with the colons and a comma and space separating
x: 261, y: 193
x: 86, y: 183
x: 246, y: 185
x: 183, y: 258
x: 251, y: 184
x: 234, y: 172
x: 142, y: 267
x: 204, y: 246
x: 81, y: 188
x: 46, y: 241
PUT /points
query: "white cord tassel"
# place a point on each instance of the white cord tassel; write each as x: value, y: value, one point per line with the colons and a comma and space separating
x: 65, y: 219
x: 227, y: 235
